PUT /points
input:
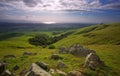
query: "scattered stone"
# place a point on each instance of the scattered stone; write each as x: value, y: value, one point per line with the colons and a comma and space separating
x: 55, y: 57
x: 35, y: 70
x: 60, y: 64
x: 43, y: 65
x: 29, y: 54
x: 78, y: 50
x: 59, y: 72
x: 7, y: 73
x: 75, y: 73
x: 63, y: 50
x: 16, y: 67
x: 2, y: 67
x: 9, y: 56
x: 93, y: 61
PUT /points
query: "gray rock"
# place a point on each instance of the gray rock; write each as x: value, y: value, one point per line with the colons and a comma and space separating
x: 35, y: 70
x: 60, y: 64
x: 23, y: 72
x: 43, y: 65
x: 55, y: 57
x: 2, y: 67
x: 93, y: 61
x: 16, y: 67
x: 29, y: 54
x: 75, y: 73
x: 9, y: 56
x: 63, y: 50
x: 7, y: 73
x: 58, y: 72
x: 78, y: 50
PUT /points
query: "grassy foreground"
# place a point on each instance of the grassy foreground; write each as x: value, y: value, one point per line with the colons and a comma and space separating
x: 103, y: 39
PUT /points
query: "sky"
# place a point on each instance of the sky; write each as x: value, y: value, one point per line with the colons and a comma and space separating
x: 60, y: 11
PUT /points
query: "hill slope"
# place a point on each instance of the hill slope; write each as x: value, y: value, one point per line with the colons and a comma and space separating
x: 97, y: 34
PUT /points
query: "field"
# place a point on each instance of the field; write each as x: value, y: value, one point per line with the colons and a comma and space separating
x: 104, y: 39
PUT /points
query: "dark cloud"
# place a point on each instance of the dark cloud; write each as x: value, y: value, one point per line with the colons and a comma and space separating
x: 32, y: 3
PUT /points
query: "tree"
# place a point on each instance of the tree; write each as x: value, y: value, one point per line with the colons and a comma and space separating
x: 40, y: 40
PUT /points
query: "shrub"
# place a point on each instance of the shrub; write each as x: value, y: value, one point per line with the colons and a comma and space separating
x: 51, y: 47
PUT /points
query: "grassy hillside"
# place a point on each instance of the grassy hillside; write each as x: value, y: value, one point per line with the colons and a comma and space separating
x: 104, y: 39
x: 97, y: 34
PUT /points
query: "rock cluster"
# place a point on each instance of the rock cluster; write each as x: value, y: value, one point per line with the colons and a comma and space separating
x: 3, y: 70
x: 35, y: 70
x: 76, y: 50
x: 93, y: 61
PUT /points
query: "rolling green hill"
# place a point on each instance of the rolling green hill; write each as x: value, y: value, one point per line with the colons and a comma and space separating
x: 97, y: 34
x: 104, y: 39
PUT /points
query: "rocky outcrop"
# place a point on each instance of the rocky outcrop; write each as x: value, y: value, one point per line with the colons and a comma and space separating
x: 63, y: 50
x: 93, y: 61
x: 35, y: 70
x: 29, y: 54
x: 43, y: 65
x: 60, y: 64
x: 75, y: 73
x: 78, y: 50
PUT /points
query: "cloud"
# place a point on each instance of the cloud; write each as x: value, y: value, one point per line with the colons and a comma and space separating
x: 57, y: 5
x: 111, y: 6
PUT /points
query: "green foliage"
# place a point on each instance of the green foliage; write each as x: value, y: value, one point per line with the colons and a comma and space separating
x: 51, y: 47
x: 40, y: 40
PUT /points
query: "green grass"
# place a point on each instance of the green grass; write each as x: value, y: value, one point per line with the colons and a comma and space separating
x: 99, y: 34
x: 104, y: 39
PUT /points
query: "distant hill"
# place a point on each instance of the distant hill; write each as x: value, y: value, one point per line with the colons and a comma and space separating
x: 97, y: 34
x: 35, y: 27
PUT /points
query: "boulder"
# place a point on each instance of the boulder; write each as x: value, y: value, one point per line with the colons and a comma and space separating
x: 60, y: 64
x: 7, y: 73
x: 75, y: 73
x: 16, y: 67
x: 58, y: 72
x: 92, y: 61
x: 9, y: 56
x: 29, y: 54
x: 78, y: 50
x: 55, y: 57
x: 35, y: 70
x: 2, y: 67
x: 63, y: 50
x: 43, y: 65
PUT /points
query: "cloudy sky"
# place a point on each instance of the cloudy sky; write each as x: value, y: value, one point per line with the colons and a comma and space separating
x: 83, y: 11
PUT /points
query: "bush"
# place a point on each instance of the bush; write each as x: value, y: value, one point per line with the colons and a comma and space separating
x: 51, y: 47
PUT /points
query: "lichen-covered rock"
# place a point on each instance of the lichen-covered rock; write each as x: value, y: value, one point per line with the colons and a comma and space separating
x: 2, y: 67
x: 7, y: 73
x: 55, y: 57
x: 35, y: 70
x: 10, y: 56
x: 63, y: 50
x: 60, y: 64
x: 93, y: 61
x: 58, y: 72
x: 75, y: 73
x: 16, y: 67
x: 78, y: 50
x: 43, y: 65
x: 29, y: 53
